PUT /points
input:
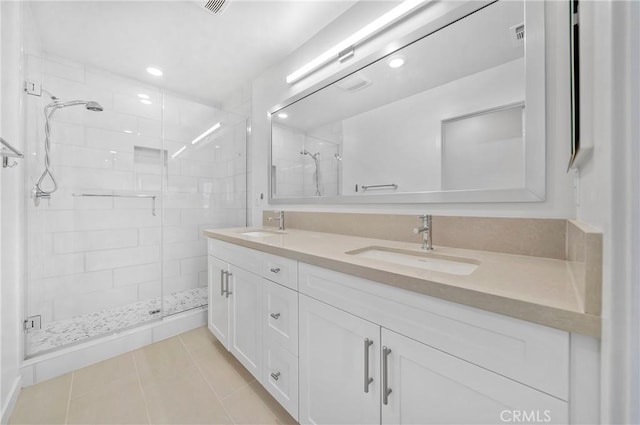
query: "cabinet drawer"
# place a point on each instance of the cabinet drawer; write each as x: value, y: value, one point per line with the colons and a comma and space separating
x: 280, y: 316
x: 526, y: 352
x: 280, y: 376
x: 281, y: 270
x: 245, y: 258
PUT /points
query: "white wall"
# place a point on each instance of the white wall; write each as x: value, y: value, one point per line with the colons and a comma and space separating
x: 401, y: 142
x: 270, y: 89
x: 609, y: 185
x: 12, y: 212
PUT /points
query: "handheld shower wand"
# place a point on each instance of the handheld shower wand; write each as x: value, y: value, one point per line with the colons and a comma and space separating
x: 39, y: 191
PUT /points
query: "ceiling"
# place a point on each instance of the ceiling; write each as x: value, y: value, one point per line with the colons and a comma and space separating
x: 203, y: 55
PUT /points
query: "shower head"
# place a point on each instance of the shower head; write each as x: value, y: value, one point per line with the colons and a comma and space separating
x: 94, y: 106
x: 312, y: 155
x: 88, y: 104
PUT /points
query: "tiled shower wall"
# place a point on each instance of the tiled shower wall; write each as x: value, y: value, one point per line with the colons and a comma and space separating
x: 294, y: 173
x: 91, y: 253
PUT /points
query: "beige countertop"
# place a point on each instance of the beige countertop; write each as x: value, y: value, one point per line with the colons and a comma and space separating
x: 539, y: 290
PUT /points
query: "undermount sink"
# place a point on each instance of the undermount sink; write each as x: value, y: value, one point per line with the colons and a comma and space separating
x: 262, y: 233
x: 425, y: 261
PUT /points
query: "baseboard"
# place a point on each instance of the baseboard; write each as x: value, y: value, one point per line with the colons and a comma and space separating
x: 11, y: 400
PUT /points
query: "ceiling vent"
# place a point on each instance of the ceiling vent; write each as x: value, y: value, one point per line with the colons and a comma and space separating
x: 517, y: 35
x: 216, y: 6
x: 353, y: 82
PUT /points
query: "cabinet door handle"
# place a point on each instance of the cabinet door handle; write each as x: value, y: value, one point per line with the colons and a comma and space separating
x: 222, y: 272
x: 275, y: 269
x: 275, y: 315
x: 367, y: 379
x: 275, y: 376
x: 385, y: 385
x: 227, y: 290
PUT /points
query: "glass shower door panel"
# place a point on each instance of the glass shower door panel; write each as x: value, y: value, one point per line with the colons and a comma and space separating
x: 94, y: 244
x: 205, y: 188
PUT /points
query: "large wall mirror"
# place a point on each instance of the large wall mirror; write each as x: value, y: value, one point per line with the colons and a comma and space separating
x: 454, y: 116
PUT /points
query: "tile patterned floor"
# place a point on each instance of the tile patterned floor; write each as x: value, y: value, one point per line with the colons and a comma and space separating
x: 187, y: 379
x: 69, y: 331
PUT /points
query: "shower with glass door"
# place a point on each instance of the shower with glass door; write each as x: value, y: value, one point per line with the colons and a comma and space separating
x: 117, y: 201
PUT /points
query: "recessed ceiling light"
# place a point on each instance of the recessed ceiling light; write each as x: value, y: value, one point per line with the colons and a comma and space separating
x: 145, y: 101
x: 282, y: 115
x: 396, y: 62
x: 143, y: 96
x: 154, y: 71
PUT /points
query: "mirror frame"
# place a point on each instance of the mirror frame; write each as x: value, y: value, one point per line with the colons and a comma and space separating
x: 535, y: 153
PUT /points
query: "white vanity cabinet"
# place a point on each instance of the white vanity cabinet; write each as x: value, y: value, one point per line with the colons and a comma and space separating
x: 334, y: 348
x: 350, y: 368
x: 235, y: 303
x: 339, y: 373
x: 254, y: 317
x: 437, y: 362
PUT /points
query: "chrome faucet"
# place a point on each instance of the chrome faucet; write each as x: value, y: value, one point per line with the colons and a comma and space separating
x: 425, y: 229
x: 279, y: 219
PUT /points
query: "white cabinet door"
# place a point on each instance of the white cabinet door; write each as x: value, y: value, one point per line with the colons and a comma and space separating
x: 333, y: 357
x: 218, y: 300
x: 280, y: 376
x: 246, y: 319
x: 429, y: 386
x: 280, y: 316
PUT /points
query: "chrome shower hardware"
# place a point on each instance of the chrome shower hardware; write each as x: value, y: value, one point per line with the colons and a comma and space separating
x: 39, y: 192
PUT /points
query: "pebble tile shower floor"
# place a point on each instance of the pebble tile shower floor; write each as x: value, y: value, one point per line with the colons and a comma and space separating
x: 187, y: 379
x: 64, y: 332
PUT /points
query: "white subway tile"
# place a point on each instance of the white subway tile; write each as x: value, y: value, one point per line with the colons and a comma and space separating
x: 136, y: 274
x: 67, y: 307
x: 170, y: 268
x: 63, y: 68
x: 59, y: 265
x: 184, y: 250
x: 149, y: 235
x: 64, y: 286
x: 68, y: 242
x: 151, y: 129
x: 194, y: 265
x: 149, y: 290
x: 109, y: 259
x: 182, y: 184
x: 130, y: 104
x: 180, y: 283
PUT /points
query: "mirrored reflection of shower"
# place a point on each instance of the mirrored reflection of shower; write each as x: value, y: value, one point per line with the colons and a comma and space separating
x: 39, y: 191
x: 316, y: 174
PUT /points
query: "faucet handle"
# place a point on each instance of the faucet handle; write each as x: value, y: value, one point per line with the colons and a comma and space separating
x: 423, y: 216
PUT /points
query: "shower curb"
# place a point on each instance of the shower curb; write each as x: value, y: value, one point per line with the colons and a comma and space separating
x: 47, y: 366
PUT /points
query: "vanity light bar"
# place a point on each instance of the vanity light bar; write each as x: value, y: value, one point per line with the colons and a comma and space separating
x: 395, y: 14
x: 206, y: 133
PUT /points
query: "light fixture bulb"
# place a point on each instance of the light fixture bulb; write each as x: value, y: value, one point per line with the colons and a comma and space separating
x: 145, y: 101
x: 154, y: 71
x: 143, y: 96
x: 282, y: 115
x: 396, y: 62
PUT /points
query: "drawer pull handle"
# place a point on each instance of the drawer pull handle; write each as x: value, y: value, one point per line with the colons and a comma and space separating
x: 222, y: 272
x: 275, y: 315
x: 275, y: 269
x: 385, y: 372
x: 367, y: 379
x: 275, y: 376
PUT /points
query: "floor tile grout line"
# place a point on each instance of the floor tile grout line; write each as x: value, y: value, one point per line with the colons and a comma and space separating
x: 220, y: 400
x: 144, y: 396
x: 66, y: 417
